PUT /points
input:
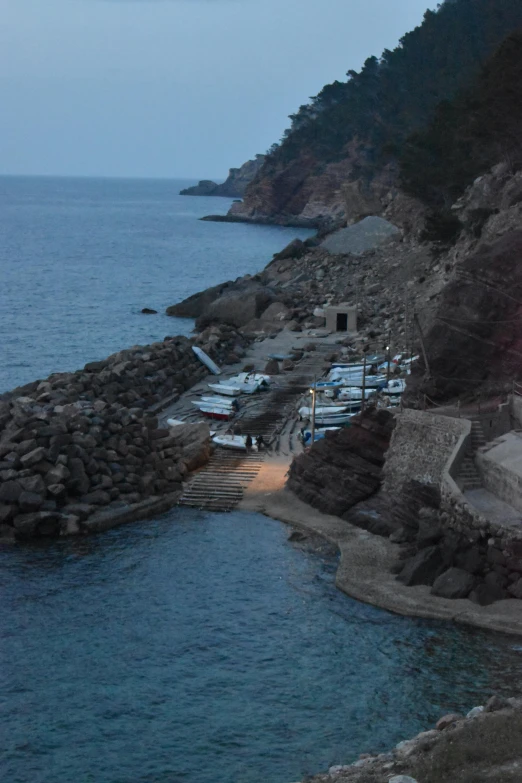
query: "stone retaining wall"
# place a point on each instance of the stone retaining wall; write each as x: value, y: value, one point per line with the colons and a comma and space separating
x: 448, y: 543
x: 421, y: 445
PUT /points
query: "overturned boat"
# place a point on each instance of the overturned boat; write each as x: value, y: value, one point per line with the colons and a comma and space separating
x: 230, y: 389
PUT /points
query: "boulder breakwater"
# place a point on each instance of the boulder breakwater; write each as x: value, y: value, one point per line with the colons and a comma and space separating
x: 83, y: 451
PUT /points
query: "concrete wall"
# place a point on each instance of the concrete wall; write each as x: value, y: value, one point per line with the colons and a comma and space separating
x: 500, y: 467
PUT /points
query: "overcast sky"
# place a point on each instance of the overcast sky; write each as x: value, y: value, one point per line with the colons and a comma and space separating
x: 172, y: 88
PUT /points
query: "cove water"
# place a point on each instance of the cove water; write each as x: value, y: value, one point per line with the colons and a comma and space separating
x: 206, y: 648
x: 80, y: 258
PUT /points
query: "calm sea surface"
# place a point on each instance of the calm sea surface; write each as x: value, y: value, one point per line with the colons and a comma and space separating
x: 194, y: 648
x: 80, y: 258
x: 205, y: 648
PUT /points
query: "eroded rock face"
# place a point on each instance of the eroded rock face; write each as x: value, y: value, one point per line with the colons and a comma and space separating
x: 475, y: 344
x: 345, y: 467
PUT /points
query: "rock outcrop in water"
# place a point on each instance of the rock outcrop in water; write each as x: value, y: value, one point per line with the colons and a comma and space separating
x: 233, y: 187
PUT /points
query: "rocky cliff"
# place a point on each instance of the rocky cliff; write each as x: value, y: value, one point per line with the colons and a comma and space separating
x: 474, y: 340
x: 345, y: 467
x: 310, y: 194
x: 355, y: 147
x: 234, y: 185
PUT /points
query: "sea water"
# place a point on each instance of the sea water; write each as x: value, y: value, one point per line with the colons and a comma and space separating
x: 206, y: 648
x: 80, y: 258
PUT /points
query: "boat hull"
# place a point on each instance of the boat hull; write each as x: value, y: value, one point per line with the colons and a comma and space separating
x: 218, y: 415
x: 206, y: 360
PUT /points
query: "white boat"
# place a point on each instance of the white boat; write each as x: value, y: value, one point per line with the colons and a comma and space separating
x: 397, y: 386
x: 353, y: 393
x: 348, y: 367
x: 338, y: 418
x: 228, y: 390
x: 206, y: 360
x: 216, y: 412
x: 370, y: 382
x: 228, y: 402
x: 251, y: 377
x: 306, y: 413
x: 175, y: 422
x: 217, y: 406
x: 233, y: 389
x: 236, y: 442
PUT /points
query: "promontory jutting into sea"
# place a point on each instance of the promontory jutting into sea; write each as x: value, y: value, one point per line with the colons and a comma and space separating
x: 260, y: 453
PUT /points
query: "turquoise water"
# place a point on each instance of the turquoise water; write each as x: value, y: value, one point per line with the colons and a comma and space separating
x: 80, y: 258
x: 207, y: 649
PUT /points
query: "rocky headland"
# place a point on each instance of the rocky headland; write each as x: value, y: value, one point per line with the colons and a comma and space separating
x: 235, y: 184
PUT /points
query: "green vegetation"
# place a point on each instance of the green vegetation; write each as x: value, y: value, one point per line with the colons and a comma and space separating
x: 479, y: 128
x: 377, y: 110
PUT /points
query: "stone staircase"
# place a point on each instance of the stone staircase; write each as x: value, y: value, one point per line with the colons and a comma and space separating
x: 469, y: 477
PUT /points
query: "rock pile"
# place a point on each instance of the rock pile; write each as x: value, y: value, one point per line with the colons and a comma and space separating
x: 457, y: 564
x: 137, y: 377
x: 83, y: 442
x: 482, y: 746
x: 60, y: 465
x: 385, y: 283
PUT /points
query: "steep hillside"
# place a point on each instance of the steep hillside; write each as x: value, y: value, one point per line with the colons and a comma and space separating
x: 339, y: 160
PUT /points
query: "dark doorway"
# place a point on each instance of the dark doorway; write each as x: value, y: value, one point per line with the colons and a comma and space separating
x: 342, y: 322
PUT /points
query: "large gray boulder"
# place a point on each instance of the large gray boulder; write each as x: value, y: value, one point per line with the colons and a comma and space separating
x: 423, y: 568
x: 453, y: 583
x: 365, y: 235
x: 237, y: 308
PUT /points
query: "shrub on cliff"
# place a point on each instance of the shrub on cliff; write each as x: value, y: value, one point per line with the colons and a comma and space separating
x: 469, y: 134
x: 392, y: 96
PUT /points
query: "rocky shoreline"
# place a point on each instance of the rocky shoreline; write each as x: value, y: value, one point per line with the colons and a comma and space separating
x: 481, y: 747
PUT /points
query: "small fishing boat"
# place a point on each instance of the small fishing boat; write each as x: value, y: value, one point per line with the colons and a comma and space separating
x: 205, y: 359
x: 233, y: 389
x: 397, y: 386
x: 235, y: 442
x: 353, y: 393
x: 175, y: 422
x: 332, y: 420
x: 227, y: 402
x: 306, y: 413
x: 251, y: 377
x: 348, y: 367
x: 370, y: 382
x: 216, y: 412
